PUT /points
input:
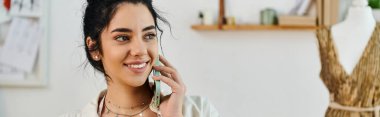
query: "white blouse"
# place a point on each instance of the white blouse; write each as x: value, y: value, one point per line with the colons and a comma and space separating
x: 193, y: 106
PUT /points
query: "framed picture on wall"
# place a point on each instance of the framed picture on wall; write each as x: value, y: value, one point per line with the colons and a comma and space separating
x: 24, y: 43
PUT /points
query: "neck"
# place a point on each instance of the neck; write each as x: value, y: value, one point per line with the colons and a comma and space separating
x: 127, y: 96
x: 359, y: 15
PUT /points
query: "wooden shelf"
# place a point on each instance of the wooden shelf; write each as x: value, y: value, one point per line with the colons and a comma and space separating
x: 205, y: 27
x: 252, y: 27
x: 221, y: 24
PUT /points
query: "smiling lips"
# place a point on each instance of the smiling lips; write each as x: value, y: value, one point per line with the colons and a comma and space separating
x: 137, y: 67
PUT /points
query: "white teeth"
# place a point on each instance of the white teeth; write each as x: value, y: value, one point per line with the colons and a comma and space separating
x: 137, y: 65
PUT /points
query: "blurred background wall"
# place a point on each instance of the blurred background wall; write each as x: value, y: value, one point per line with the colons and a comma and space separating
x: 264, y: 73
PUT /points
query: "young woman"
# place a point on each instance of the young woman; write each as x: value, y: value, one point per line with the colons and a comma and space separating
x: 121, y: 42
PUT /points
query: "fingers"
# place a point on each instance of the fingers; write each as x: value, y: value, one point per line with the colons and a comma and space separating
x: 167, y: 71
x: 166, y: 74
x: 176, y: 87
x: 164, y: 61
x: 169, y: 76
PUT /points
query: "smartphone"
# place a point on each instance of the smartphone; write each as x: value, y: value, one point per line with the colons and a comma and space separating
x: 160, y: 89
x: 155, y: 103
x: 163, y: 88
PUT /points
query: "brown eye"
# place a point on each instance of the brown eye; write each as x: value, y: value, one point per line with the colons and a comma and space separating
x: 150, y: 36
x: 122, y: 38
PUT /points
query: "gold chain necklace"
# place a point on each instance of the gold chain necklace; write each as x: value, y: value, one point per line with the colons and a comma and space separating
x: 140, y: 113
x: 129, y: 108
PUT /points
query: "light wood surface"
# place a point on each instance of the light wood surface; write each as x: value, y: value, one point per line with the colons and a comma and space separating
x: 252, y: 27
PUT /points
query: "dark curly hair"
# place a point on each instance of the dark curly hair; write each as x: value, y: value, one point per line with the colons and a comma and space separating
x: 97, y: 16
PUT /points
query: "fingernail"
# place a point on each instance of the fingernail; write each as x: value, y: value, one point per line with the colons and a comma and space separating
x: 155, y: 77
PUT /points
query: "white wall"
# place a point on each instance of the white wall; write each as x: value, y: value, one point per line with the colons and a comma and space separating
x: 243, y: 73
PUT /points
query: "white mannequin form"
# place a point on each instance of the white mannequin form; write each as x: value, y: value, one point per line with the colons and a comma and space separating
x: 352, y: 35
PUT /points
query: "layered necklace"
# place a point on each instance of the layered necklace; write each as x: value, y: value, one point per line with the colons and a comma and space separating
x: 139, y: 113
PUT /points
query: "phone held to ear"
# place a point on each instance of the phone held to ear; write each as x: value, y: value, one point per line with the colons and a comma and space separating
x: 155, y: 103
x: 159, y: 88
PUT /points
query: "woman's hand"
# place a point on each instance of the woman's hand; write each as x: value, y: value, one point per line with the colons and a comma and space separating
x: 171, y: 105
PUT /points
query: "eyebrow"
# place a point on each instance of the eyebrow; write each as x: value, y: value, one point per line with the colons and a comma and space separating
x: 149, y: 28
x: 129, y: 30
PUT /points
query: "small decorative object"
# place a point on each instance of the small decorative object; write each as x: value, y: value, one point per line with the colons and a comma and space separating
x: 206, y: 17
x: 200, y: 16
x: 231, y: 20
x: 268, y: 16
x: 7, y: 4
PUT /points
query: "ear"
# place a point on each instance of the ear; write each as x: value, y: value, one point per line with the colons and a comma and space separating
x: 95, y: 54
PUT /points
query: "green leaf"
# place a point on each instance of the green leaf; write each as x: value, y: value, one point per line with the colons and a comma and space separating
x: 374, y: 4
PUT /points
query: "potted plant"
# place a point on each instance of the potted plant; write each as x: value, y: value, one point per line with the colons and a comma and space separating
x: 374, y: 4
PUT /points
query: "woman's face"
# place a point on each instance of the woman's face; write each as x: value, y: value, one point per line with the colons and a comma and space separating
x: 129, y: 45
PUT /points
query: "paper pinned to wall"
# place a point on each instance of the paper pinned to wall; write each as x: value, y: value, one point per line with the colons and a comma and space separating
x: 10, y: 73
x: 4, y: 31
x: 21, y: 44
x: 30, y: 8
x: 4, y: 15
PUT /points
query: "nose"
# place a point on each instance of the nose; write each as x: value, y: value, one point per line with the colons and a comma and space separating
x: 138, y: 47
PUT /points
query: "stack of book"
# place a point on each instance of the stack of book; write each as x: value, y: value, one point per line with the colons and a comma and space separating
x: 312, y: 13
